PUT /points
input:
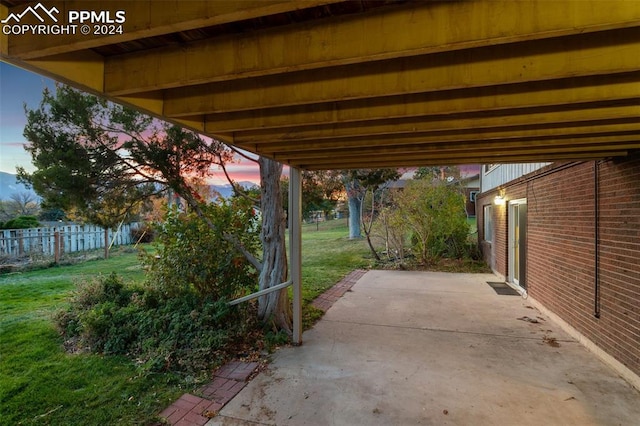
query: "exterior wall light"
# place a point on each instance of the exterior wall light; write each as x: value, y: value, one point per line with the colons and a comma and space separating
x: 499, y: 200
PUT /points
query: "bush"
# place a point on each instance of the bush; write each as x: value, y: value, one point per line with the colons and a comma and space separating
x: 179, y: 318
x: 52, y: 215
x: 434, y: 216
x: 182, y: 333
x: 22, y: 222
x: 190, y: 254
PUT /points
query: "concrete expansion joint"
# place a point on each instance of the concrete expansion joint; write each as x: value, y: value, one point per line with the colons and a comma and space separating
x: 444, y: 330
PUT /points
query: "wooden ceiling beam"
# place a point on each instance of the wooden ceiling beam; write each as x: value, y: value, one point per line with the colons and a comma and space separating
x: 443, y: 123
x: 557, y: 93
x: 427, y: 27
x: 544, y: 60
x: 500, y: 158
x: 83, y: 70
x: 468, y: 135
x: 455, y: 156
x: 146, y: 18
x: 565, y: 78
x: 574, y: 144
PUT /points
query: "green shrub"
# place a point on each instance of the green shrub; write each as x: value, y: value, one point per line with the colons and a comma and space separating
x: 192, y: 254
x: 179, y: 319
x: 181, y: 333
x: 21, y: 222
x: 52, y: 215
x: 434, y: 216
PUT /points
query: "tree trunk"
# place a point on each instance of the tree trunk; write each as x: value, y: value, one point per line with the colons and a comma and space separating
x: 367, y: 224
x: 273, y: 307
x: 354, y: 210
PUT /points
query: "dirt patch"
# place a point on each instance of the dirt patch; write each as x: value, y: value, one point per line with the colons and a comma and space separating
x: 439, y: 265
x: 551, y: 341
x: 528, y: 319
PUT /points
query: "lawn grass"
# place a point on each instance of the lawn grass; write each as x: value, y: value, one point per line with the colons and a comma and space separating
x: 42, y: 384
x: 473, y: 224
x: 328, y: 255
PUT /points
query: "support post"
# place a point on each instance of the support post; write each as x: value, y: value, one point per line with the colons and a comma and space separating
x: 56, y: 246
x: 20, y: 235
x: 295, y: 249
x: 106, y: 242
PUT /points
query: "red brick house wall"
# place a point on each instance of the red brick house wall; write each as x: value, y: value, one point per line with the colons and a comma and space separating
x: 562, y: 265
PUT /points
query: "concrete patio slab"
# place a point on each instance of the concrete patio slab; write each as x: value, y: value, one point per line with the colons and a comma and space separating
x: 406, y: 348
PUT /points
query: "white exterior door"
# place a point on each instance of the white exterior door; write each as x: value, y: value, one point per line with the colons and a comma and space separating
x: 517, y: 241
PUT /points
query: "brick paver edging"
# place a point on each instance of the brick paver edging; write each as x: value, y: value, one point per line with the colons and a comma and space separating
x: 191, y: 410
x: 329, y: 297
x: 230, y: 379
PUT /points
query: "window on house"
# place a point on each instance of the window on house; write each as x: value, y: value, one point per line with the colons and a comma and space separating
x: 489, y: 167
x: 487, y: 217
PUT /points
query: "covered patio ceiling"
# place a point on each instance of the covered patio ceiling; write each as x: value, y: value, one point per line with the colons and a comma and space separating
x: 328, y: 84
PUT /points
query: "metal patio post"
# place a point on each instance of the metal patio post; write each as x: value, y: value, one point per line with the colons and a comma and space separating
x: 295, y: 249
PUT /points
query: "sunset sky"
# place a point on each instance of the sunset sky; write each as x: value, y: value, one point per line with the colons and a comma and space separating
x: 18, y: 87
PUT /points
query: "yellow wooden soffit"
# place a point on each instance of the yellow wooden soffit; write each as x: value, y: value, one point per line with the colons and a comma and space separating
x: 445, y: 123
x: 529, y: 62
x: 140, y: 19
x: 558, y: 93
x: 426, y: 28
x: 415, y: 161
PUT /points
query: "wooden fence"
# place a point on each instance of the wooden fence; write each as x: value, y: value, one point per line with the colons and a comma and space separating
x: 54, y: 241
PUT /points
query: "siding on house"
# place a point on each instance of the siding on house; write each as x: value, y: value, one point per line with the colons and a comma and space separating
x: 561, y: 248
x: 499, y: 174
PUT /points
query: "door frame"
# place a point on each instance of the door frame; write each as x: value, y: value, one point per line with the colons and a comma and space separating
x: 518, y: 240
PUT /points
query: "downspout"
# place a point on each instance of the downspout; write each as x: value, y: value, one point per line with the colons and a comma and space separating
x: 596, y: 278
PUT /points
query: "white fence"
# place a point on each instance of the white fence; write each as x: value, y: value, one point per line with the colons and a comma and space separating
x: 54, y: 241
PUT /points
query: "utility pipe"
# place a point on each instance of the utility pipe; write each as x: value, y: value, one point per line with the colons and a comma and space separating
x: 596, y: 221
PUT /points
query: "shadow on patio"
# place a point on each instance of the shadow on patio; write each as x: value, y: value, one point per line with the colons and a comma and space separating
x: 434, y: 348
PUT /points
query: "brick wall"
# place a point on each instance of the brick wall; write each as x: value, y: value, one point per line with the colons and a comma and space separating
x: 561, y: 257
x: 620, y: 260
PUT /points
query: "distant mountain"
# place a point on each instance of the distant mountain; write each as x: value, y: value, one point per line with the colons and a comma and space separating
x: 9, y: 185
